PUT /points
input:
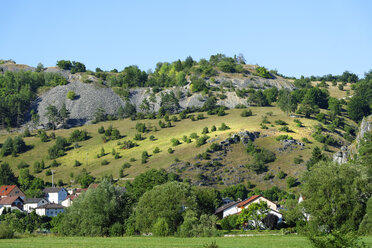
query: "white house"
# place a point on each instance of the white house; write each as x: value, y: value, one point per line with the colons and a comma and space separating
x: 257, y: 199
x: 55, y: 195
x: 31, y: 203
x: 227, y: 209
x: 50, y: 209
x: 68, y: 201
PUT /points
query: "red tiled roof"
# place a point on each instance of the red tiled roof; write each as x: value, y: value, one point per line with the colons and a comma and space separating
x: 80, y: 190
x: 6, y: 189
x: 8, y: 200
x: 71, y: 197
x: 250, y: 199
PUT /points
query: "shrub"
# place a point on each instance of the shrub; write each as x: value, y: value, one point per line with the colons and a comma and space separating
x: 175, y: 142
x: 156, y: 150
x: 161, y: 228
x: 268, y: 176
x: 281, y: 175
x: 298, y: 122
x: 101, y: 130
x: 104, y: 162
x: 43, y: 136
x: 205, y: 130
x: 26, y: 133
x: 284, y: 129
x: 78, y: 135
x: 200, y: 116
x: 201, y: 140
x: 71, y: 95
x: 305, y: 140
x: 246, y: 113
x: 77, y: 163
x: 48, y: 172
x: 223, y: 127
x: 291, y: 182
x: 6, y: 231
x: 283, y: 137
x: 138, y: 136
x: 152, y: 137
x: 280, y: 122
x: 213, y: 128
x: 170, y: 150
x: 194, y: 136
x: 141, y: 127
x: 298, y: 160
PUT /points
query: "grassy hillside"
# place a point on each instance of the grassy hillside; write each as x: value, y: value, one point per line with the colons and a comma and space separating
x: 232, y: 164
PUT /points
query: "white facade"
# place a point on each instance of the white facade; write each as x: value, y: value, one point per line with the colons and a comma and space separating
x: 67, y: 202
x: 49, y: 211
x: 231, y: 210
x: 29, y: 207
x: 56, y: 197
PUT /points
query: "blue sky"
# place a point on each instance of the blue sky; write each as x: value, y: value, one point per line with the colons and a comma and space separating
x: 294, y: 37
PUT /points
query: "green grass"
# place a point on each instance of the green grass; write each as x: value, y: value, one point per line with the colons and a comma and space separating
x: 155, y: 242
x: 137, y: 242
x: 86, y: 154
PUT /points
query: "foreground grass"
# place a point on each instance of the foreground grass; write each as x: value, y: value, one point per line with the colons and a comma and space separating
x: 257, y: 241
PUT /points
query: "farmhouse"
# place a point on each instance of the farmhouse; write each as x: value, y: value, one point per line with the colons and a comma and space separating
x: 49, y: 209
x: 227, y: 209
x: 11, y: 201
x: 68, y: 201
x: 11, y: 190
x: 55, y: 195
x: 32, y: 203
x: 257, y: 199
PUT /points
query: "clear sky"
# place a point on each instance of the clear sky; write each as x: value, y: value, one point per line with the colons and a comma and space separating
x: 294, y: 37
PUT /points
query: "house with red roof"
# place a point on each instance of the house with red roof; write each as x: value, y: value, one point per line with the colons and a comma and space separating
x: 11, y: 190
x: 257, y: 199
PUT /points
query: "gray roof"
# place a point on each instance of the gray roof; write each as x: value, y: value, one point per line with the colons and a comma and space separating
x: 52, y: 190
x: 226, y: 206
x: 34, y: 200
x: 50, y: 206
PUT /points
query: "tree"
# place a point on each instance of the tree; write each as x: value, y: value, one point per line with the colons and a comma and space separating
x: 7, y: 147
x: 253, y: 214
x: 85, y: 179
x: 357, y: 108
x: 145, y: 182
x: 258, y: 98
x: 167, y: 201
x: 286, y: 101
x: 334, y: 105
x: 335, y: 196
x: 96, y: 212
x: 53, y: 115
x: 7, y: 176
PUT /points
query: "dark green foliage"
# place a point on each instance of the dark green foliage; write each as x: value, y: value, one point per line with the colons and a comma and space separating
x: 26, y: 133
x: 268, y: 176
x: 7, y: 147
x: 316, y: 156
x: 205, y: 130
x: 77, y: 163
x: 85, y: 179
x: 175, y: 142
x: 291, y: 182
x: 280, y: 122
x: 223, y: 127
x: 201, y: 140
x: 357, y: 108
x: 54, y: 163
x: 261, y: 156
x: 98, y: 212
x: 43, y: 136
x: 101, y: 130
x: 258, y: 98
x: 58, y: 149
x: 145, y: 182
x: 281, y: 175
x: 7, y: 176
x: 71, y: 95
x: 18, y: 90
x: 284, y: 129
x: 141, y: 127
x: 13, y: 146
x: 262, y: 72
x: 156, y: 150
x: 169, y: 102
x: 283, y: 137
x: 161, y: 206
x: 78, y: 135
x: 330, y: 225
x: 287, y: 102
x: 73, y: 66
x: 235, y: 192
x: 170, y: 150
x: 246, y: 113
x: 104, y: 162
x: 298, y: 160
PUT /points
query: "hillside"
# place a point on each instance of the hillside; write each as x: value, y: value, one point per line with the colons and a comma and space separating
x: 231, y: 169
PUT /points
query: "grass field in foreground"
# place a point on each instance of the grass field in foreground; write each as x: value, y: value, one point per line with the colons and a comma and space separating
x: 156, y: 242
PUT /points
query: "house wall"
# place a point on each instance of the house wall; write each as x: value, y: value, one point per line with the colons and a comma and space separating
x: 67, y: 202
x: 270, y: 204
x: 57, y: 197
x: 17, y: 192
x: 29, y: 207
x: 53, y: 212
x: 40, y: 211
x: 231, y: 210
